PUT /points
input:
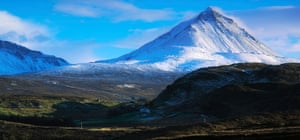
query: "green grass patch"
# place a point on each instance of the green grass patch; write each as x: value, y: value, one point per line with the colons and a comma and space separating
x: 18, y: 107
x: 27, y: 106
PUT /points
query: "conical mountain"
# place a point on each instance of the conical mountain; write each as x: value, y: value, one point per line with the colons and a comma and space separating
x: 209, y: 39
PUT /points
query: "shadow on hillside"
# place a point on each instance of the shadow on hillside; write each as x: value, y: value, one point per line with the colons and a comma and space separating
x: 71, y: 110
x: 64, y: 115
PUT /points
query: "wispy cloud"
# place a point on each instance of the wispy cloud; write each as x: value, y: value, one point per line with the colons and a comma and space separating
x: 117, y: 10
x: 73, y: 51
x: 276, y: 26
x: 15, y: 29
x: 296, y: 47
x: 278, y: 7
x: 77, y: 10
x: 139, y: 37
x: 38, y: 37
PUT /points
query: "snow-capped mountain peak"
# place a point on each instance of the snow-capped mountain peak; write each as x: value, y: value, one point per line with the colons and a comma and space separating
x: 209, y: 39
x: 209, y: 14
x: 18, y: 59
x: 226, y: 35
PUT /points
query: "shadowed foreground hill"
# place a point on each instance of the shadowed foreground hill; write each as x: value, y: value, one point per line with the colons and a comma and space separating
x: 239, y: 101
x: 238, y: 89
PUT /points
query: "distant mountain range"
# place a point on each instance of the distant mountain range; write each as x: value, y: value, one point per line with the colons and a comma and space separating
x: 151, y: 92
x: 16, y: 59
x: 209, y: 39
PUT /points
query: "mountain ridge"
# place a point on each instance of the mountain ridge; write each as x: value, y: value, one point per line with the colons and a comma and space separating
x: 17, y: 59
x: 209, y: 39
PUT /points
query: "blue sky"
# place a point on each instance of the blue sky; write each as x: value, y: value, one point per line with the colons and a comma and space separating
x: 89, y: 30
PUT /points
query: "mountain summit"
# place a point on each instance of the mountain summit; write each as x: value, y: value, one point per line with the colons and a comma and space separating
x: 209, y: 39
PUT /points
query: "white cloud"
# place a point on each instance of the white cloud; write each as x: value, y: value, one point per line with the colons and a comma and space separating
x: 139, y: 37
x: 276, y: 26
x: 278, y: 7
x: 73, y: 51
x: 15, y: 29
x: 295, y: 47
x: 117, y: 10
x: 77, y: 10
x: 38, y: 37
x: 280, y: 21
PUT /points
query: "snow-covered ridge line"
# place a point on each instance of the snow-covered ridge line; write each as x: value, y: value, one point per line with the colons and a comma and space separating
x: 17, y: 59
x: 209, y: 39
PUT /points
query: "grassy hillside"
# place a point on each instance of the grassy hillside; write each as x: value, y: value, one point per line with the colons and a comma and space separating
x: 240, y: 101
x: 51, y: 110
x: 230, y: 86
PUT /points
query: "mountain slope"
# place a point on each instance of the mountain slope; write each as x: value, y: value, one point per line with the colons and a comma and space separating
x: 231, y: 90
x: 209, y: 39
x: 17, y: 59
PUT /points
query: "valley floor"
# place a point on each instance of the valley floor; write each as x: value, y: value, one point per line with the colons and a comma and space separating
x: 36, y: 117
x: 12, y: 130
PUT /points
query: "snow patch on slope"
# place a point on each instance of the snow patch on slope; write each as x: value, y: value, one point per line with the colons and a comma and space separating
x: 16, y: 59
